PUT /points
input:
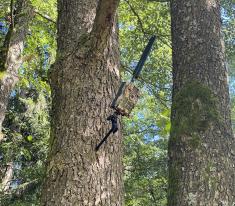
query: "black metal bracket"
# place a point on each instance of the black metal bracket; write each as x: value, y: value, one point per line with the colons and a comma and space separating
x: 114, y: 117
x: 114, y: 120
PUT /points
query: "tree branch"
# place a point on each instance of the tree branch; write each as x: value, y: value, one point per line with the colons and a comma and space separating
x: 153, y: 131
x: 46, y: 17
x: 151, y: 192
x: 104, y: 23
x: 6, y: 44
x: 11, y: 53
x: 140, y: 22
x: 105, y: 13
x: 137, y: 15
x: 12, y: 14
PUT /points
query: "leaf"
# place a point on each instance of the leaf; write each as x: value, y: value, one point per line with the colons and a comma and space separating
x: 30, y: 138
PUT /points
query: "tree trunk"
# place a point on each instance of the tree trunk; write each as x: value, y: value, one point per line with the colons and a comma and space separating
x: 6, y: 180
x: 84, y: 80
x: 201, y: 146
x: 11, y: 53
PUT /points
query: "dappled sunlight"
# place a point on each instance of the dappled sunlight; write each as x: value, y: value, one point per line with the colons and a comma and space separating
x: 211, y: 4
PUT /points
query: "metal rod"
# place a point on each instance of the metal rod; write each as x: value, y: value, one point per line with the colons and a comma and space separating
x: 113, y: 118
x: 103, y: 140
x: 143, y: 58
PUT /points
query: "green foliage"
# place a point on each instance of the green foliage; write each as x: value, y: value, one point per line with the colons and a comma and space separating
x: 146, y: 132
x: 145, y: 171
x: 4, y: 7
x: 26, y: 125
x: 27, y: 131
x: 46, y: 7
x: 138, y: 20
x: 228, y: 17
x: 145, y: 158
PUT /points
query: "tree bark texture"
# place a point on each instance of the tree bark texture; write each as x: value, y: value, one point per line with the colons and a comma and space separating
x: 6, y: 180
x: 201, y: 146
x: 84, y: 80
x: 11, y: 53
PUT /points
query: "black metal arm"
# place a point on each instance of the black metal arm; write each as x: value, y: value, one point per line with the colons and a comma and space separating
x: 143, y: 58
x: 113, y: 118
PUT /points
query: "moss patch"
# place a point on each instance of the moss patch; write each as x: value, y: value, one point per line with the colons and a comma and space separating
x: 209, y: 175
x: 2, y: 74
x: 194, y: 108
x: 175, y: 176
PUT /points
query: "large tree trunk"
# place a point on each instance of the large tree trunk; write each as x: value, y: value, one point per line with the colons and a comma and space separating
x: 11, y: 53
x: 201, y: 146
x: 84, y: 80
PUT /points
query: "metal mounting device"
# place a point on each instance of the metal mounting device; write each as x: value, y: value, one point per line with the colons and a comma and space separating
x: 127, y: 95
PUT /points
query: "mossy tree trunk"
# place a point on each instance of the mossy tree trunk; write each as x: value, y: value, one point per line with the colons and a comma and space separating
x: 201, y: 146
x: 11, y: 53
x: 84, y: 79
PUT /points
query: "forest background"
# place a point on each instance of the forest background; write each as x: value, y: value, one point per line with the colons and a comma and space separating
x: 27, y: 124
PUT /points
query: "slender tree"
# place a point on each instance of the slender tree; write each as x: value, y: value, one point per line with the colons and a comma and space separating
x: 6, y: 180
x: 201, y: 146
x: 84, y: 79
x: 11, y: 51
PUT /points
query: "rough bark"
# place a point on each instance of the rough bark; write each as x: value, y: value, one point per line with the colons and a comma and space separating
x: 84, y: 80
x: 6, y: 181
x: 11, y: 53
x: 201, y: 146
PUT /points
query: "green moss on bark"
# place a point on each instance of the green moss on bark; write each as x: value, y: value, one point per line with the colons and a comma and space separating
x: 176, y: 169
x: 194, y: 108
x: 2, y: 74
